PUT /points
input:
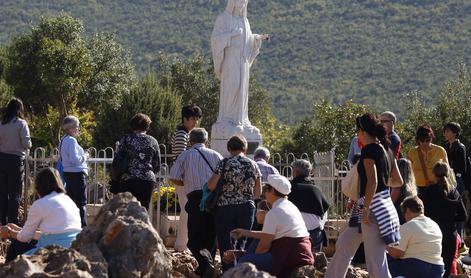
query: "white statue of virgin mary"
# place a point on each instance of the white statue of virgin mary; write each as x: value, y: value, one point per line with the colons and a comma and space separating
x: 234, y: 49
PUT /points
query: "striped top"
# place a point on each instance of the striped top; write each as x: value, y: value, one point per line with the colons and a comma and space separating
x: 384, y: 212
x: 180, y: 141
x: 191, y: 168
x: 266, y: 169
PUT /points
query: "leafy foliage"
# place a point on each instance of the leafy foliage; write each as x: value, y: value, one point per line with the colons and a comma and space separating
x: 452, y: 104
x: 330, y: 126
x: 193, y: 80
x: 370, y: 51
x: 112, y: 73
x: 162, y: 105
x: 51, y: 64
x: 44, y: 128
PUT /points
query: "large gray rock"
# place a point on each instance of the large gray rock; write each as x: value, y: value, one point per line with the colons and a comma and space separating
x: 320, y: 261
x: 123, y: 236
x: 307, y: 271
x: 184, y: 265
x: 52, y: 261
x: 246, y: 270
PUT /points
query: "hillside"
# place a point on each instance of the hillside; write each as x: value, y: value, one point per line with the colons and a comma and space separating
x: 370, y: 50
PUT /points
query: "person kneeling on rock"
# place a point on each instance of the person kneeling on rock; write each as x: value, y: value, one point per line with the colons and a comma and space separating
x: 284, y: 240
x: 52, y: 219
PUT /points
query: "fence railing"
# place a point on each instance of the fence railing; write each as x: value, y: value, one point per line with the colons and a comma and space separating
x: 325, y: 174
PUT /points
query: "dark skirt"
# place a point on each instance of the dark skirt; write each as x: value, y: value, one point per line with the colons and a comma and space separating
x: 289, y: 253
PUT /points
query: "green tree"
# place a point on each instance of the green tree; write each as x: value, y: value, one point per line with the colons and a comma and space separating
x: 44, y: 128
x: 194, y: 81
x: 148, y: 97
x: 330, y: 126
x: 112, y: 74
x: 261, y: 115
x: 453, y: 103
x: 50, y: 65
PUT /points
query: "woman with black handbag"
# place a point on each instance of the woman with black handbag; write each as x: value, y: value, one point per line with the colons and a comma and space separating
x: 140, y: 156
x: 240, y: 186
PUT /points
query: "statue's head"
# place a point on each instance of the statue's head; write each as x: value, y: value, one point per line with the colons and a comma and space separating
x: 237, y: 7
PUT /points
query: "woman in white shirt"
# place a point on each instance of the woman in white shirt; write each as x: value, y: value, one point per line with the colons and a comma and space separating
x: 284, y: 240
x: 53, y: 218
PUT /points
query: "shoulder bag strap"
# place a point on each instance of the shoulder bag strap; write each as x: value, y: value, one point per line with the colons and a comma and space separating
x: 60, y: 148
x: 389, y: 159
x: 207, y: 162
x: 422, y: 164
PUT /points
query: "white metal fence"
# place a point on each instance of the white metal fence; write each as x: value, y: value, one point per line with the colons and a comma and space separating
x: 326, y: 175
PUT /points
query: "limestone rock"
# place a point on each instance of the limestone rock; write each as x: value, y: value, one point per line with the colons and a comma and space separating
x: 52, y: 261
x: 3, y: 250
x: 307, y: 271
x: 123, y: 234
x: 320, y: 260
x: 246, y: 270
x: 184, y: 264
x: 355, y: 272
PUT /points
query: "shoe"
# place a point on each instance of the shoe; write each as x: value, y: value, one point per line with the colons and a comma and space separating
x: 466, y: 260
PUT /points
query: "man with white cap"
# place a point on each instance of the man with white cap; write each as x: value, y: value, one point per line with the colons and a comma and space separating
x: 284, y: 240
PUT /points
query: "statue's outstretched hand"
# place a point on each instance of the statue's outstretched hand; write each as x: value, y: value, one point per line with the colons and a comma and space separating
x: 264, y: 37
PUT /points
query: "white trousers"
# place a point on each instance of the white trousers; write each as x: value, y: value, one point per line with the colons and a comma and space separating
x: 182, y: 229
x: 347, y: 245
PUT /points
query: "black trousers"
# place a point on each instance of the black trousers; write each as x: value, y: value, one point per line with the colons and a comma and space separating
x: 448, y: 249
x: 11, y: 185
x: 76, y: 187
x: 17, y: 248
x: 201, y: 231
x: 141, y: 189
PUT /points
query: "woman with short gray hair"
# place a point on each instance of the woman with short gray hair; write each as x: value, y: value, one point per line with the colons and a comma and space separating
x: 74, y: 162
x: 303, y: 166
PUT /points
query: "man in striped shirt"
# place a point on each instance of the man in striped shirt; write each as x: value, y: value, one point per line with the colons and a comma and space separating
x: 191, y: 115
x: 180, y: 140
x: 191, y: 171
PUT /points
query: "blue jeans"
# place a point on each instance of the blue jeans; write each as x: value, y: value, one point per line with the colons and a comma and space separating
x: 317, y: 238
x: 411, y: 267
x: 261, y: 261
x: 228, y: 218
x: 77, y: 190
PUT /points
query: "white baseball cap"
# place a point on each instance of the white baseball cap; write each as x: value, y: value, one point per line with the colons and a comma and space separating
x: 280, y: 183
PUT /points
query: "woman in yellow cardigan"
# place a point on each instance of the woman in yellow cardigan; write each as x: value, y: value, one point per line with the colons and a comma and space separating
x: 424, y: 156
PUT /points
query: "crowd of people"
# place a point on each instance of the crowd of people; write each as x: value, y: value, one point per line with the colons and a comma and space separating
x: 429, y: 205
x: 408, y: 219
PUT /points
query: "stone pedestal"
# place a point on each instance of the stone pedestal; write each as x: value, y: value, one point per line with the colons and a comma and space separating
x: 221, y: 132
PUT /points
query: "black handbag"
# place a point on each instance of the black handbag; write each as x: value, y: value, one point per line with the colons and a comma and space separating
x: 212, y: 200
x: 119, y: 165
